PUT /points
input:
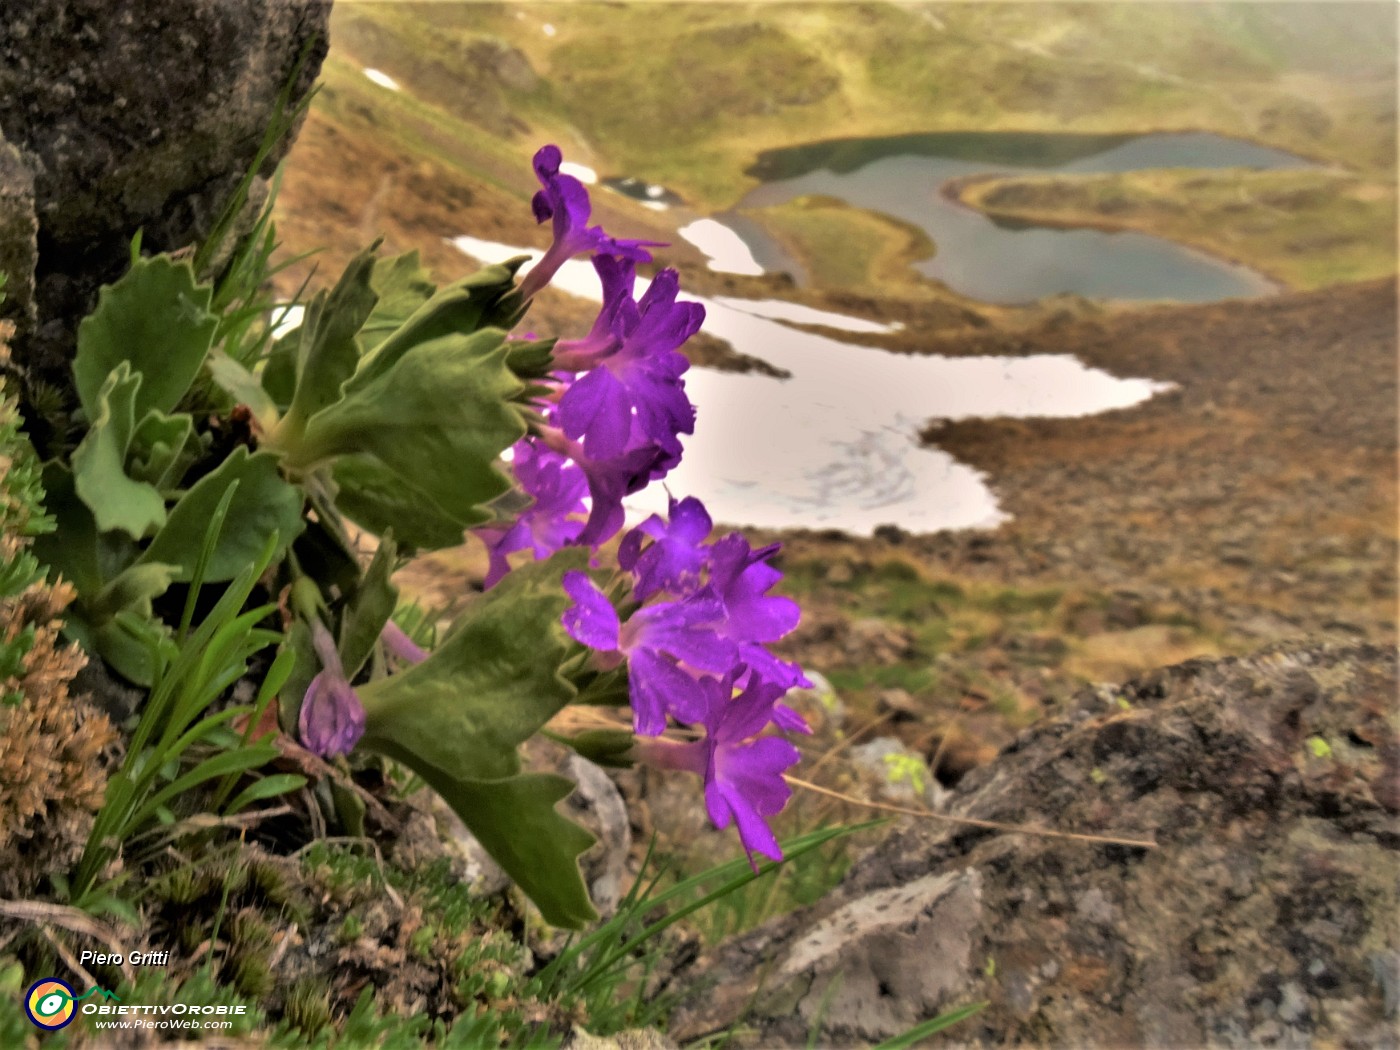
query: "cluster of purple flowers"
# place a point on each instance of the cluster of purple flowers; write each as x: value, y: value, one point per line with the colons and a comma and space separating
x: 609, y: 424
x: 696, y: 650
x: 696, y: 654
x: 616, y: 404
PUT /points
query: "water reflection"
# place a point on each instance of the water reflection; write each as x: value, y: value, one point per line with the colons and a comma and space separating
x: 835, y: 445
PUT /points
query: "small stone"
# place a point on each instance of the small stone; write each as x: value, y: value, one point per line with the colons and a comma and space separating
x: 899, y: 703
x: 1293, y: 1006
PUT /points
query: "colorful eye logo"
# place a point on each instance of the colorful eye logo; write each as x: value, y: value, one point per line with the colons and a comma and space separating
x: 49, y: 1004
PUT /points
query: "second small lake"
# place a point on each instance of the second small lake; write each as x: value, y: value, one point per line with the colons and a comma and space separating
x: 835, y: 444
x: 901, y: 176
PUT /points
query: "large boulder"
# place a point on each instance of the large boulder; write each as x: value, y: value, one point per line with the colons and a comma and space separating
x: 18, y: 237
x: 133, y: 116
x: 1265, y: 914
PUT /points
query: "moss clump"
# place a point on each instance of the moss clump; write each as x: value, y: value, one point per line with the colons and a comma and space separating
x: 52, y: 744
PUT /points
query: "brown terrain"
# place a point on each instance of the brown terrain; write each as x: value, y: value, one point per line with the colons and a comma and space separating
x: 1254, y: 503
x: 1265, y: 483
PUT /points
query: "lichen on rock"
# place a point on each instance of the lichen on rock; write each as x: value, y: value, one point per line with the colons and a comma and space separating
x: 1264, y: 916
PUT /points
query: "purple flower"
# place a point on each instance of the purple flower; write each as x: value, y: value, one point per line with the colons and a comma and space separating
x: 611, y: 480
x: 332, y: 718
x: 552, y: 521
x: 662, y: 644
x: 743, y: 772
x: 563, y: 199
x: 617, y: 277
x: 676, y: 558
x: 741, y: 576
x: 635, y: 392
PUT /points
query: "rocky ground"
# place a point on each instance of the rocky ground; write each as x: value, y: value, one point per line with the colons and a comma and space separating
x: 1248, y: 900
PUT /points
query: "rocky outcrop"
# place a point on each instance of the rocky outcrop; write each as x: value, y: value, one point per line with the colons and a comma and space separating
x: 1263, y: 915
x: 134, y: 116
x: 18, y: 237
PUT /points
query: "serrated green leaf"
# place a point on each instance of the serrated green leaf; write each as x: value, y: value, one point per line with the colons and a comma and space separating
x: 489, y: 686
x: 604, y: 747
x: 264, y: 504
x: 463, y: 307
x: 457, y: 718
x: 370, y: 608
x: 441, y: 416
x: 378, y: 499
x: 328, y: 353
x: 99, y: 463
x: 159, y: 449
x: 515, y: 820
x: 532, y: 358
x: 157, y: 318
x: 235, y: 380
x: 403, y: 286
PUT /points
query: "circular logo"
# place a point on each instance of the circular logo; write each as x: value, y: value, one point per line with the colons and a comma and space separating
x: 49, y: 1003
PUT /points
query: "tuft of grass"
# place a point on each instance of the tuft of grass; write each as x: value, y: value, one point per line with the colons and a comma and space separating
x: 605, y: 971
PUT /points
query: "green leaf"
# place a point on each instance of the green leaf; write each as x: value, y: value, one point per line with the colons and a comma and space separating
x: 328, y: 353
x: 125, y: 642
x: 531, y: 359
x: 456, y: 719
x: 157, y: 318
x: 604, y: 747
x: 99, y: 463
x: 402, y: 285
x: 71, y: 549
x: 264, y: 504
x: 158, y: 449
x: 267, y: 787
x: 279, y: 373
x: 922, y: 1031
x: 235, y: 380
x: 370, y: 608
x: 442, y: 416
x: 134, y: 589
x: 305, y: 667
x: 239, y: 761
x: 378, y: 499
x: 489, y: 686
x: 515, y: 820
x: 463, y: 307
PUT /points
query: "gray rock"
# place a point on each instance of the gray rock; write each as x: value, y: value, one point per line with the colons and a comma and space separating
x: 631, y: 1039
x: 597, y: 804
x: 1264, y: 914
x: 18, y: 233
x: 481, y: 872
x: 894, y: 773
x: 820, y: 705
x: 137, y: 116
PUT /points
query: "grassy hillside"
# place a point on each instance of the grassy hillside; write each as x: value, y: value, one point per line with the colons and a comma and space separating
x: 1306, y: 229
x: 688, y: 94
